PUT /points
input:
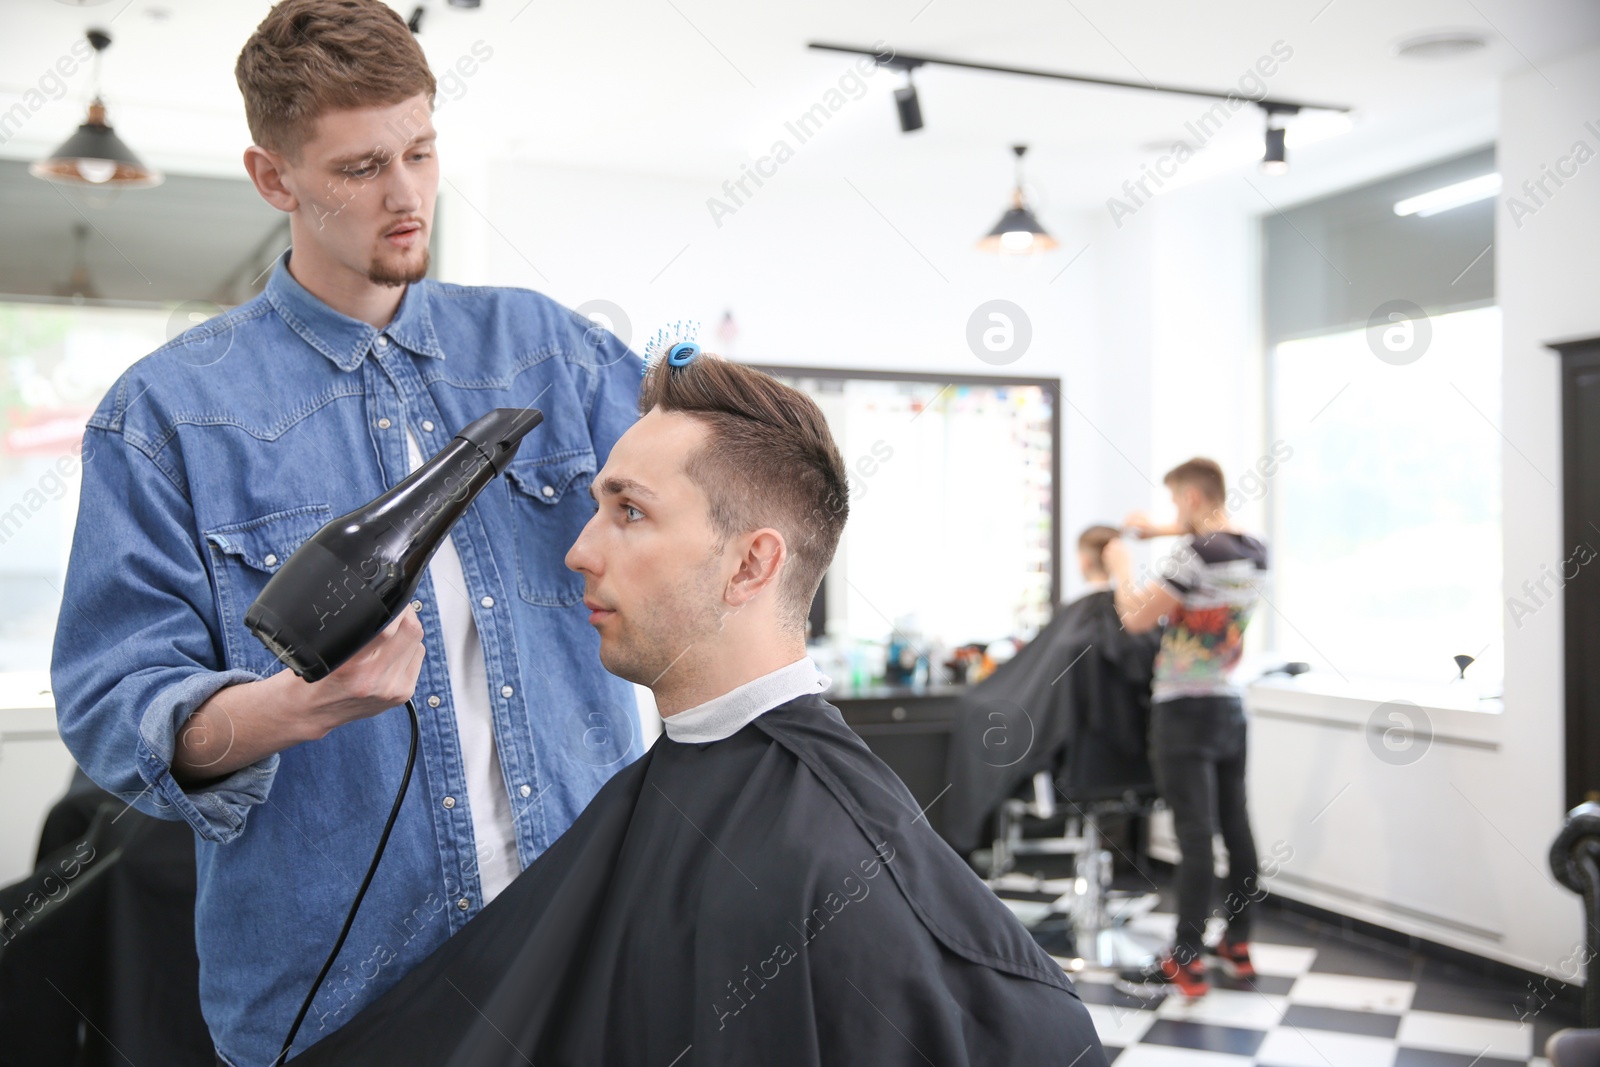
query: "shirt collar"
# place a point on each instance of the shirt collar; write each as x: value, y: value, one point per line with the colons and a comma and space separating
x: 731, y: 712
x: 344, y: 340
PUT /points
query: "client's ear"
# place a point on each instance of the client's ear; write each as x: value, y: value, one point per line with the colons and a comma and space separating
x: 762, y: 561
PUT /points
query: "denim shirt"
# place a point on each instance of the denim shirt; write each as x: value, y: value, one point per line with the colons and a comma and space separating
x: 205, y: 466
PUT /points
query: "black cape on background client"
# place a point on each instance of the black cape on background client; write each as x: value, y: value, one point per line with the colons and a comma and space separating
x: 775, y: 897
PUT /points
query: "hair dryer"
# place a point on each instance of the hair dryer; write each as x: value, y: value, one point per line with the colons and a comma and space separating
x: 352, y: 577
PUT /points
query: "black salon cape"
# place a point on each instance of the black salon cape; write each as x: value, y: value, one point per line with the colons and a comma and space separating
x: 772, y: 898
x: 1075, y: 701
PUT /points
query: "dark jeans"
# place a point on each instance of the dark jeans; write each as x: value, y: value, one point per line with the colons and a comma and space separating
x: 1197, y: 750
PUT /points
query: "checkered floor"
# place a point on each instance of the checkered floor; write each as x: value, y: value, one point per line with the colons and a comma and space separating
x: 1322, y: 998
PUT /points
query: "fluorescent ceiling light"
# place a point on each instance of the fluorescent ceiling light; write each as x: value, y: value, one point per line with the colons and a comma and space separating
x: 1468, y: 192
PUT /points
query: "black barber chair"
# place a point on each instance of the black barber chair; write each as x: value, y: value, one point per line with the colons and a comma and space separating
x: 1097, y: 782
x: 97, y: 954
x: 1575, y: 861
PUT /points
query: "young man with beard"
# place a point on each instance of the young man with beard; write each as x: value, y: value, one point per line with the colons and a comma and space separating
x: 759, y: 888
x: 212, y: 459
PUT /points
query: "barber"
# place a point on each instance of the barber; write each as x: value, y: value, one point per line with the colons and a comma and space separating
x: 213, y: 458
x: 1206, y: 588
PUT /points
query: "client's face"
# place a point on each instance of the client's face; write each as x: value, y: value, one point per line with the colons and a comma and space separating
x: 653, y: 581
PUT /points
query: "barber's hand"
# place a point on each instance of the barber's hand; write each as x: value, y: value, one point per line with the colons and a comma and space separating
x: 380, y: 676
x: 1138, y: 523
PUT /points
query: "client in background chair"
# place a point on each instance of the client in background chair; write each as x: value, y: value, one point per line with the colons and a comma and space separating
x: 1073, y: 703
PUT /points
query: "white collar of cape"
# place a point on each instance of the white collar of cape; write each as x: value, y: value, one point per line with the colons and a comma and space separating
x: 731, y: 712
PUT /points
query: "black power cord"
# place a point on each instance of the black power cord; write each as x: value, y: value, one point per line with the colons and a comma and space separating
x: 355, y: 905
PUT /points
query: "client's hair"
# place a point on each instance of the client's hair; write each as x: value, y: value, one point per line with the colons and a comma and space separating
x: 1094, y: 541
x: 1204, y: 474
x: 313, y: 56
x: 768, y: 460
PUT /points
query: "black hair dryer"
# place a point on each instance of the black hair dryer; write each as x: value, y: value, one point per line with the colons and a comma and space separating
x: 352, y: 577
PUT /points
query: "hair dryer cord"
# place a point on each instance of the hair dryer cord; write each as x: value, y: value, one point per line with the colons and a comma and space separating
x: 355, y: 905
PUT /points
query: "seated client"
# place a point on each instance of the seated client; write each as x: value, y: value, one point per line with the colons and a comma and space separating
x: 759, y: 887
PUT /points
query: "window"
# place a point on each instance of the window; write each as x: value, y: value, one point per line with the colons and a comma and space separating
x: 56, y: 362
x: 1386, y: 521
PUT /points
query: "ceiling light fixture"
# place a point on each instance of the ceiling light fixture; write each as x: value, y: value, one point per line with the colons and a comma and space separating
x: 909, y: 108
x: 1018, y: 231
x: 95, y: 156
x: 1460, y: 194
x: 1275, y: 160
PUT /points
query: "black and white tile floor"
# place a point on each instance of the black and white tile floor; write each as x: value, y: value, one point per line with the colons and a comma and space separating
x: 1323, y: 997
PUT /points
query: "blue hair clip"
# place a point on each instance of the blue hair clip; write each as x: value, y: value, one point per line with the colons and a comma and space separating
x: 681, y: 353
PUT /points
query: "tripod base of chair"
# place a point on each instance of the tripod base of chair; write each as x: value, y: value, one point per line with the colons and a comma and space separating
x: 1088, y: 922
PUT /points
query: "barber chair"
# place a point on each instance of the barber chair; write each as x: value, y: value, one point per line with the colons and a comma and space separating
x: 1575, y: 861
x: 1088, y: 920
x: 97, y: 956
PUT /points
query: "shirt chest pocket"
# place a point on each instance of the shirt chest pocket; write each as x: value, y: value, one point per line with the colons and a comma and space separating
x: 550, y: 505
x: 244, y: 555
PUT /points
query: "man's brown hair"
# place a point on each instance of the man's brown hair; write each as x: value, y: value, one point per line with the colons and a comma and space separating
x: 1094, y: 541
x: 1204, y: 474
x: 768, y: 460
x: 309, y: 57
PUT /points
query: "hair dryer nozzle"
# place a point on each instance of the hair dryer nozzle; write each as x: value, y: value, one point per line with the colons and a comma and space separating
x: 498, y: 433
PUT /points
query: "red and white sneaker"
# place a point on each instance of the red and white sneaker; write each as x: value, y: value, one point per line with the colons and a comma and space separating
x: 1190, y: 978
x: 1235, y: 958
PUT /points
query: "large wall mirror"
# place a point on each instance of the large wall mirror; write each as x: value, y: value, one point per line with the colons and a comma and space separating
x: 954, y: 513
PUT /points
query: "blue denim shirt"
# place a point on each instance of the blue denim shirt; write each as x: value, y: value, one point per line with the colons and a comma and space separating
x: 205, y: 466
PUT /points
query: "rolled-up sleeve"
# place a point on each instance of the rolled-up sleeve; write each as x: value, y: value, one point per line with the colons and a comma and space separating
x: 138, y: 643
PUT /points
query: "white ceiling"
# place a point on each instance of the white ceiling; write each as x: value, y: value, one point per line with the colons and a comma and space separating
x: 689, y: 87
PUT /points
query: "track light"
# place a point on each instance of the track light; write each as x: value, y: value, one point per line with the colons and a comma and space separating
x: 1018, y: 231
x: 905, y: 102
x: 1275, y: 160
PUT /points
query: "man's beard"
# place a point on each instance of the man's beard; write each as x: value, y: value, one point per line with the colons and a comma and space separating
x: 380, y: 273
x: 662, y: 630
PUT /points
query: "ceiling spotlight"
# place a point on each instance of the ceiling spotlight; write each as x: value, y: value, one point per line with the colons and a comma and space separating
x: 905, y: 102
x: 95, y: 155
x: 1275, y: 160
x: 1018, y: 231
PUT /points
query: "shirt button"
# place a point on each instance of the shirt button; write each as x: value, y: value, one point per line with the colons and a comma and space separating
x: 382, y: 341
x: 427, y: 425
x: 270, y: 560
x: 449, y: 802
x: 548, y: 490
x: 416, y: 605
x: 463, y: 903
x: 433, y: 702
x: 383, y: 424
x: 506, y: 690
x: 487, y: 601
x: 526, y: 790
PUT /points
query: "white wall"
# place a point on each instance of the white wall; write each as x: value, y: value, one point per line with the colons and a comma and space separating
x: 824, y: 270
x: 1547, y: 271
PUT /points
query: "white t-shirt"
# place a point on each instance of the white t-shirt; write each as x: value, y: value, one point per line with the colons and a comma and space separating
x: 493, y: 824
